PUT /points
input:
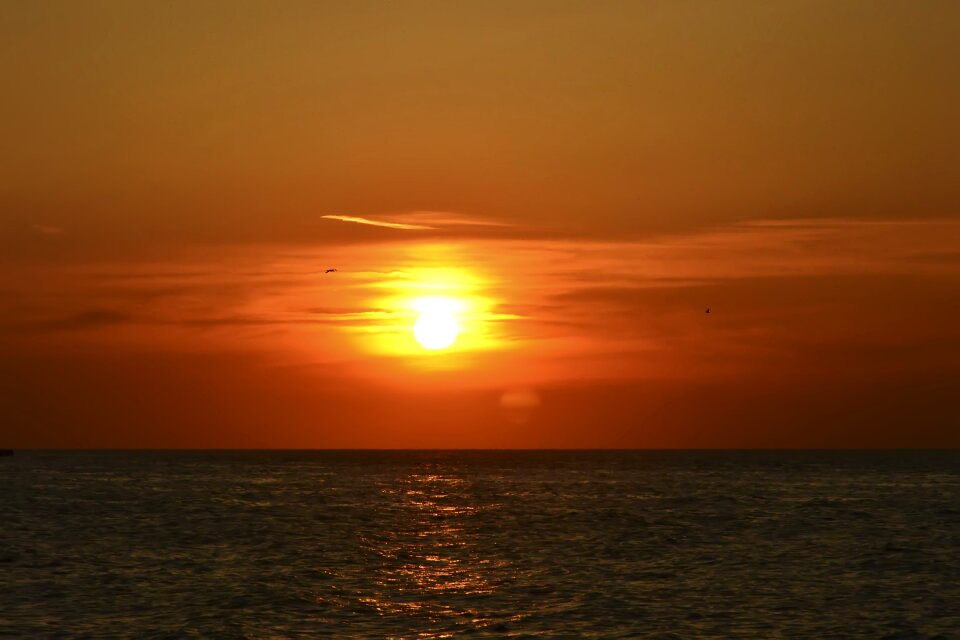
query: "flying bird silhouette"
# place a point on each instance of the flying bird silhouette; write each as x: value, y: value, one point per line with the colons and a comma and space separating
x: 708, y: 310
x: 330, y: 271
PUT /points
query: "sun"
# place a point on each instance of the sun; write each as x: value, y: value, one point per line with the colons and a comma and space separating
x: 437, y: 327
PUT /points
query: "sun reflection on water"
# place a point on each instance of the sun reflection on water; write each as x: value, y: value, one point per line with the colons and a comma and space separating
x: 429, y: 564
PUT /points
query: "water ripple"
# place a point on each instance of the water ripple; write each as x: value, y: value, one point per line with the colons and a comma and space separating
x: 480, y: 544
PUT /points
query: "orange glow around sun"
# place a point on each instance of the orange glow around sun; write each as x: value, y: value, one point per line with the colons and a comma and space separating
x: 431, y: 312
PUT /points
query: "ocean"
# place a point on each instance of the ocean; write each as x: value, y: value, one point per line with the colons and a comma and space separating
x: 506, y: 544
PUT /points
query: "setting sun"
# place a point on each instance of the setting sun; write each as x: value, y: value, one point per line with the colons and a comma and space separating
x: 437, y: 327
x: 429, y: 319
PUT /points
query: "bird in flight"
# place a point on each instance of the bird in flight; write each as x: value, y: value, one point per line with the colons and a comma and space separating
x: 708, y: 310
x: 330, y: 271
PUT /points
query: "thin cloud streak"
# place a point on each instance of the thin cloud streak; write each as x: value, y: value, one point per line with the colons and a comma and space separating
x: 379, y: 223
x: 48, y: 229
x: 450, y: 219
x: 93, y: 319
x: 421, y: 221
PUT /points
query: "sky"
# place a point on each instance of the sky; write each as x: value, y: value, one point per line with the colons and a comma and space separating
x: 575, y: 182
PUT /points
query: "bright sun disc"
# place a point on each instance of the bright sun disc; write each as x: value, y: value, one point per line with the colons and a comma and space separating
x: 437, y: 326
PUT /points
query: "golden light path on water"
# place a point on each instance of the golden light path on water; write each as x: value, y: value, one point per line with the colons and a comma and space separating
x: 428, y: 562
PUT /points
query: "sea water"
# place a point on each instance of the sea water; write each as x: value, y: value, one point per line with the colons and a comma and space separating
x: 480, y: 544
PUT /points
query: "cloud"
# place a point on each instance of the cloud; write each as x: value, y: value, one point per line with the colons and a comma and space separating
x: 450, y: 219
x: 421, y: 220
x: 585, y: 295
x: 380, y: 223
x: 93, y: 319
x: 48, y: 229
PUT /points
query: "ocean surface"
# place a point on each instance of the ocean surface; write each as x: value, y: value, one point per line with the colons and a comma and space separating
x: 480, y: 544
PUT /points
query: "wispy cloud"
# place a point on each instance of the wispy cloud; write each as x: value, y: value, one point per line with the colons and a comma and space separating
x: 421, y: 220
x: 767, y: 281
x: 380, y: 223
x: 86, y: 320
x: 449, y: 219
x: 48, y: 229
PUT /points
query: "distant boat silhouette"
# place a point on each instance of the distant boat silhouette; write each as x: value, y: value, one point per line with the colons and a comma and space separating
x: 6, y: 452
x: 330, y: 271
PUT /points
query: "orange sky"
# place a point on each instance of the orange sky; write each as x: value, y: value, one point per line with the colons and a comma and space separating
x: 581, y: 179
